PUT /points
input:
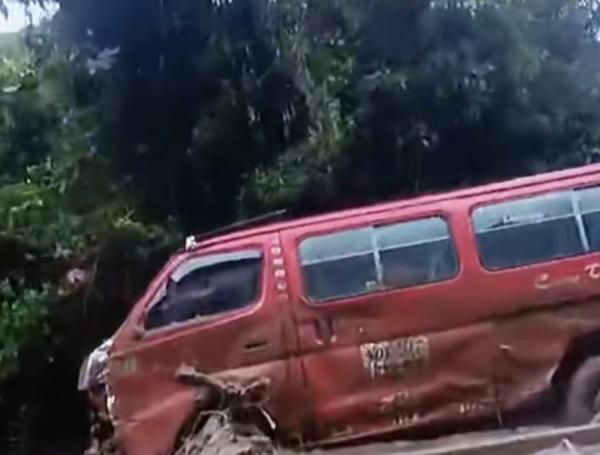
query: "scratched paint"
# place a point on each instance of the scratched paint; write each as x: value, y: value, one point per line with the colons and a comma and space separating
x: 593, y: 270
x: 406, y: 418
x: 397, y: 400
x: 544, y: 281
x: 394, y: 357
x: 126, y: 367
x: 470, y: 408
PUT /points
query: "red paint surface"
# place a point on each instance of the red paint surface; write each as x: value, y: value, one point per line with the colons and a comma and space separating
x: 494, y: 338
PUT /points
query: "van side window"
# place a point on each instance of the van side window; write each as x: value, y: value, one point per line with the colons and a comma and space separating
x: 207, y: 286
x: 359, y: 261
x: 339, y: 265
x: 528, y: 230
x: 416, y: 252
x: 589, y: 205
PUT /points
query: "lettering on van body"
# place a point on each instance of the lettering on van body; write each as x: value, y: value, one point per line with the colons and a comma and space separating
x: 544, y: 281
x: 593, y: 270
x: 394, y: 357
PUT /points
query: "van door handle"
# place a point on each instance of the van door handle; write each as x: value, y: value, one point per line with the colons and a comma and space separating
x: 255, y: 345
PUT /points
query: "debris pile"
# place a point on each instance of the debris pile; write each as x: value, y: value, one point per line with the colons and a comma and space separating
x: 230, y: 417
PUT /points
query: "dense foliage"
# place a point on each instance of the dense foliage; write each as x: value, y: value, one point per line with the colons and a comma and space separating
x: 123, y: 126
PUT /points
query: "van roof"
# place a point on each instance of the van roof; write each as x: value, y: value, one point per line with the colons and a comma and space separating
x: 516, y: 183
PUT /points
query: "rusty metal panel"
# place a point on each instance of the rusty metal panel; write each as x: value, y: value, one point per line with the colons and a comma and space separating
x: 151, y: 405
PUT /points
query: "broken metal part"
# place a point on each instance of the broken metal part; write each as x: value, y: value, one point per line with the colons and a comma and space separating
x: 93, y: 370
x: 223, y: 429
x: 248, y: 393
x: 220, y: 436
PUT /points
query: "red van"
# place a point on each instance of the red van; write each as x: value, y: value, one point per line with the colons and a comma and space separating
x: 379, y: 321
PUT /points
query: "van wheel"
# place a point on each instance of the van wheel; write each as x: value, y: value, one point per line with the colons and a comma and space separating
x: 583, y: 397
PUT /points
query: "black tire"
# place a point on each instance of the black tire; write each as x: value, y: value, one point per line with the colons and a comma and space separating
x: 582, y: 400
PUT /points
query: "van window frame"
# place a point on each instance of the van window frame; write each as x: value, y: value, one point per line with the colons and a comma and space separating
x: 375, y: 221
x: 255, y: 305
x: 577, y: 215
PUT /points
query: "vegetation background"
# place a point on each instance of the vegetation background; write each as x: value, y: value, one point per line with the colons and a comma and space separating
x: 126, y: 124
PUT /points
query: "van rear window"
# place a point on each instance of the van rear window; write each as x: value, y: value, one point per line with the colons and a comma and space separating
x: 359, y: 261
x: 537, y: 229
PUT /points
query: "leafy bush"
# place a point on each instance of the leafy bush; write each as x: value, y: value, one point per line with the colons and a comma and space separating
x: 22, y: 312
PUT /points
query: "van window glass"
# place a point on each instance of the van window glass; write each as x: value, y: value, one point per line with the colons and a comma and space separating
x: 415, y: 253
x: 589, y: 205
x: 358, y: 261
x: 208, y: 286
x: 522, y: 212
x: 345, y: 243
x: 339, y: 265
x: 528, y: 230
x: 407, y: 233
